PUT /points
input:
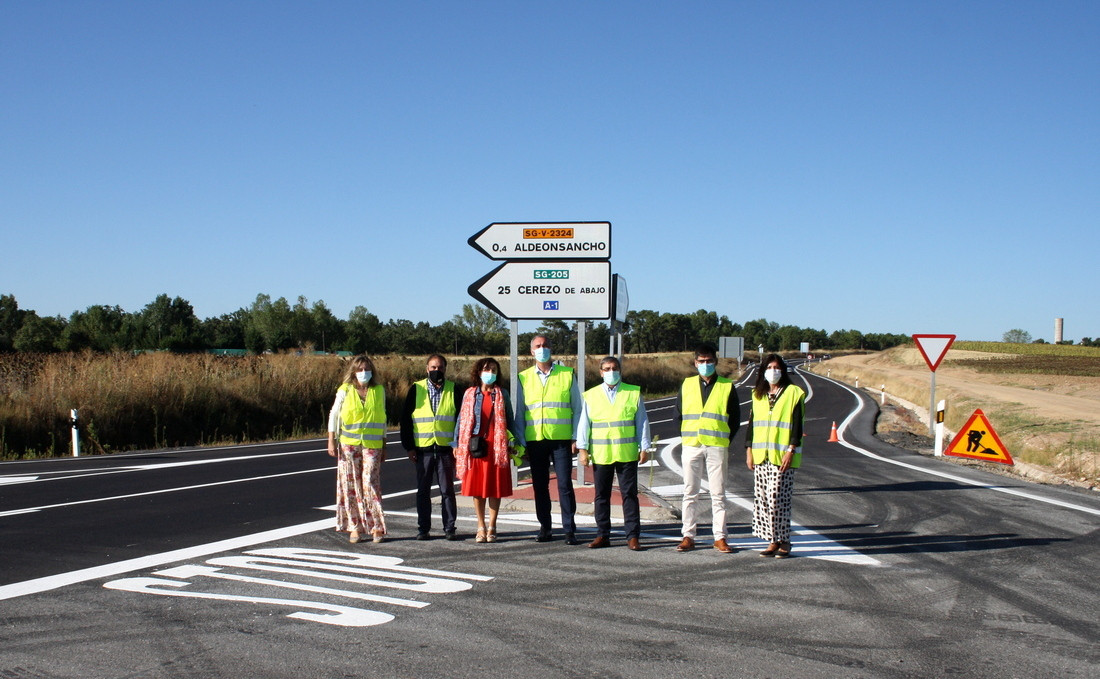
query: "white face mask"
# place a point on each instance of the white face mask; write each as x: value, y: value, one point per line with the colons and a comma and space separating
x: 611, y: 378
x: 363, y: 376
x: 488, y: 377
x: 542, y: 354
x: 772, y: 375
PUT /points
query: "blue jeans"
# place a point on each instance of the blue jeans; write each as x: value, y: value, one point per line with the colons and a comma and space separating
x: 604, y: 474
x: 539, y: 456
x: 435, y: 465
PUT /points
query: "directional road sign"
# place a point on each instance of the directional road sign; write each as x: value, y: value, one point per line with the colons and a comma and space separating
x: 547, y: 289
x: 544, y: 240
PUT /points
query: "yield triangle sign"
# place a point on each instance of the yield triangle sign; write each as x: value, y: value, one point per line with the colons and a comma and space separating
x: 977, y: 440
x: 933, y: 348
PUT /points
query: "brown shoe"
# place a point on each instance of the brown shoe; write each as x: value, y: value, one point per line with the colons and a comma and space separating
x: 771, y: 550
x: 721, y: 546
x: 600, y: 541
x: 784, y: 550
x: 634, y: 545
x: 686, y: 545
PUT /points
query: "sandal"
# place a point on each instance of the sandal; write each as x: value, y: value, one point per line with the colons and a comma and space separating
x: 353, y: 537
x: 771, y: 550
x: 784, y: 551
x: 492, y: 537
x: 379, y: 537
x: 480, y: 536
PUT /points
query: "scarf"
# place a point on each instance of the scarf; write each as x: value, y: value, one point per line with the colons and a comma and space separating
x: 498, y: 446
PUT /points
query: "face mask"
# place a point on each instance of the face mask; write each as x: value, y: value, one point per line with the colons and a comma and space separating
x: 542, y: 355
x: 772, y: 375
x: 611, y: 378
x: 435, y: 376
x: 488, y: 377
x: 705, y: 369
x: 363, y: 376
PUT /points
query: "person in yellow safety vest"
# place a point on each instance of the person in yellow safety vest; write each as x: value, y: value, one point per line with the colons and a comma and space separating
x: 710, y: 415
x: 427, y: 434
x: 357, y: 439
x: 614, y: 427
x: 549, y: 406
x: 773, y: 450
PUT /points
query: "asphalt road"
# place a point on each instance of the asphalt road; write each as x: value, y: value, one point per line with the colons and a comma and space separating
x: 222, y: 562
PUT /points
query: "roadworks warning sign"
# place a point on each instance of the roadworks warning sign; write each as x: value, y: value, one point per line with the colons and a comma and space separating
x: 979, y: 441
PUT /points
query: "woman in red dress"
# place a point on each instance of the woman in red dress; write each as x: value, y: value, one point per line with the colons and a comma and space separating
x: 486, y: 431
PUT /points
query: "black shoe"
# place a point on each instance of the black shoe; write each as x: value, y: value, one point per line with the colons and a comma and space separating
x: 571, y: 539
x: 450, y: 535
x: 544, y: 536
x: 423, y: 536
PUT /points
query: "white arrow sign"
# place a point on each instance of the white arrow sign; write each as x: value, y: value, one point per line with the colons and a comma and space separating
x: 544, y: 240
x: 547, y: 289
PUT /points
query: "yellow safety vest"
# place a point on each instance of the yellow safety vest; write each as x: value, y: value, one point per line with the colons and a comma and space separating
x: 549, y: 407
x: 771, y: 427
x: 434, y: 428
x: 614, y: 437
x: 705, y: 424
x: 363, y: 423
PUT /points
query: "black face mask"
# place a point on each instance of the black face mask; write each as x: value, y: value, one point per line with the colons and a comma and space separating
x: 435, y: 376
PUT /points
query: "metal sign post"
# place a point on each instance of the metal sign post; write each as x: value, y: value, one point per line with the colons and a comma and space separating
x: 933, y: 348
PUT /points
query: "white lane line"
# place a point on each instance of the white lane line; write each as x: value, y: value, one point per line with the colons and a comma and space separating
x: 52, y: 582
x: 12, y: 480
x: 810, y: 544
x: 843, y: 428
x: 158, y: 492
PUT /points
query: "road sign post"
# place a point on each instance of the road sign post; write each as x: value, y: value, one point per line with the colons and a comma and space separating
x: 933, y: 348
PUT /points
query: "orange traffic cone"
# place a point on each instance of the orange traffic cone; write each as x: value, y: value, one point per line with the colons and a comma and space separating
x: 832, y: 435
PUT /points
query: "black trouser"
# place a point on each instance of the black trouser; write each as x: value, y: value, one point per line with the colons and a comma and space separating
x: 539, y: 456
x: 628, y: 491
x: 435, y: 465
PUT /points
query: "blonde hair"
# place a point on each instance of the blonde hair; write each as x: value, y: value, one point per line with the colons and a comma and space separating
x: 361, y: 362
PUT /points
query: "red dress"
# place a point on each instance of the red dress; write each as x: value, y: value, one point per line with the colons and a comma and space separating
x: 483, y: 478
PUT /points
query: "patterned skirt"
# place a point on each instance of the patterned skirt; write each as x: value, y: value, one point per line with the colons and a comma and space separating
x: 359, y: 490
x: 771, y: 510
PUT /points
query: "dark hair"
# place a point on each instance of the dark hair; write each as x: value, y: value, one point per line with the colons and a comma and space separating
x: 480, y: 367
x: 706, y: 351
x: 440, y: 357
x: 610, y: 359
x: 761, y: 387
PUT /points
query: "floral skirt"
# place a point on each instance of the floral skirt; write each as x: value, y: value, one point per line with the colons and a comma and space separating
x: 771, y: 509
x: 359, y: 490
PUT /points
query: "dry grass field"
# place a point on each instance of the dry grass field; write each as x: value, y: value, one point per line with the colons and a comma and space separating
x: 1043, y: 400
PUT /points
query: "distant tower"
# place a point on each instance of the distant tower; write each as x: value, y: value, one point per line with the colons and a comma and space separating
x: 1057, y: 330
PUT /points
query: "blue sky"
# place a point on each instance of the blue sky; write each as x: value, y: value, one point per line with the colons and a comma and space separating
x: 911, y: 167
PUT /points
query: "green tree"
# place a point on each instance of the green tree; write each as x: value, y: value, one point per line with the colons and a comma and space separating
x: 11, y: 319
x: 168, y: 323
x: 363, y: 332
x: 269, y: 326
x: 39, y: 334
x: 1017, y: 336
x: 486, y: 331
x: 99, y: 327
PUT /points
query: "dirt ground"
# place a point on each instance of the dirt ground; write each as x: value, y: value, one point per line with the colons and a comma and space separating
x: 1051, y: 423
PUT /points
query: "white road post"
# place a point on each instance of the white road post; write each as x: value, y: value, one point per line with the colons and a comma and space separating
x: 939, y: 428
x: 883, y: 399
x: 76, y: 433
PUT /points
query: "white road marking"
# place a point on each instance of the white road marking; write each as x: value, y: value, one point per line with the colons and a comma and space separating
x: 809, y: 544
x: 842, y: 429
